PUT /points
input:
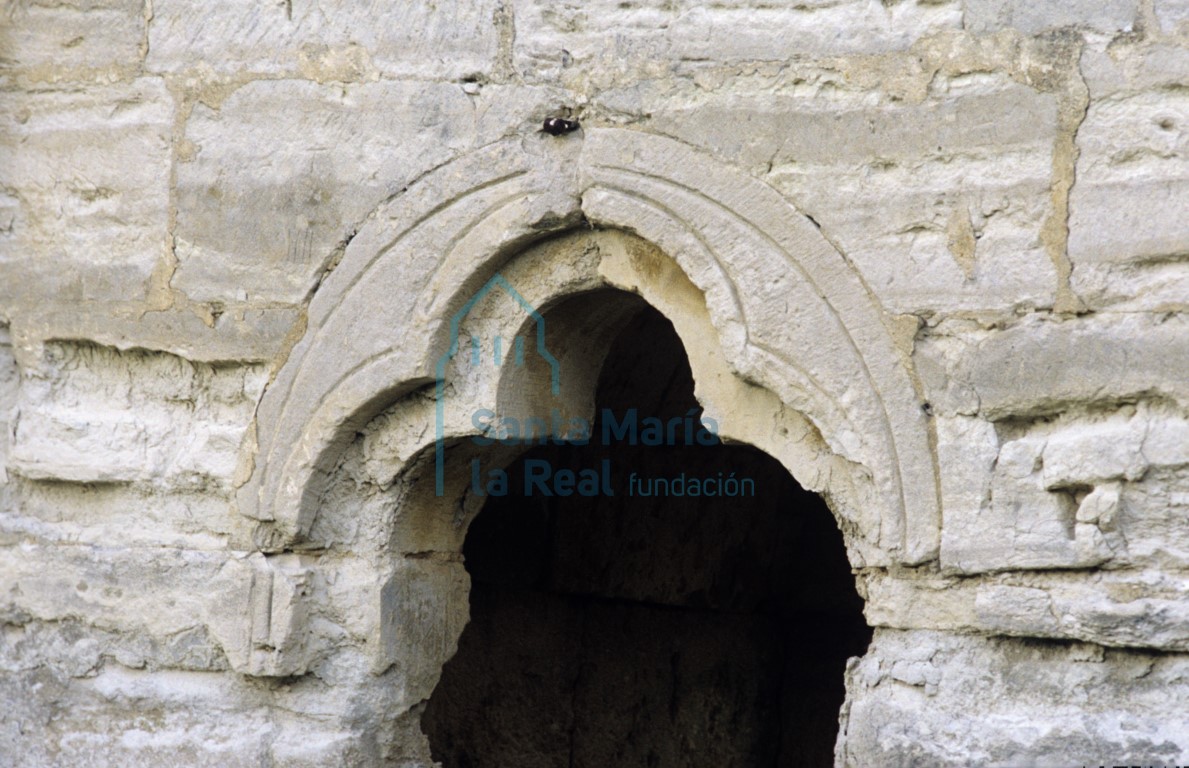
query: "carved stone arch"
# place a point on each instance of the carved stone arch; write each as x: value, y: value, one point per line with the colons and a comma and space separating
x: 791, y: 314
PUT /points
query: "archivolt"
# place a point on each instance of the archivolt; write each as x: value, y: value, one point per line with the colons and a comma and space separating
x: 791, y: 313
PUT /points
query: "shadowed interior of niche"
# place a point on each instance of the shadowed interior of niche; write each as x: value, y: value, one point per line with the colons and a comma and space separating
x: 653, y: 631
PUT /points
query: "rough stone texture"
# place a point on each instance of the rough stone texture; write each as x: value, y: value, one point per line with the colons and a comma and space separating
x: 79, y: 39
x: 272, y: 182
x: 1009, y: 703
x: 930, y: 255
x: 983, y: 16
x: 1132, y: 147
x: 575, y: 41
x: 326, y: 40
x: 80, y: 224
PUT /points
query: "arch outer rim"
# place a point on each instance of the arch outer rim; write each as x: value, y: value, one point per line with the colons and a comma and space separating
x: 261, y: 496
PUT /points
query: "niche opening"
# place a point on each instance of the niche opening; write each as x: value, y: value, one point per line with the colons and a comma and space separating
x: 650, y: 630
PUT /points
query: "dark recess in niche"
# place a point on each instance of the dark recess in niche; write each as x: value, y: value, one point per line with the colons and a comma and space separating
x: 632, y: 631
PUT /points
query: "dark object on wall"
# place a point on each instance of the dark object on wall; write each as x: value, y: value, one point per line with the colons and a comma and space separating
x: 556, y: 126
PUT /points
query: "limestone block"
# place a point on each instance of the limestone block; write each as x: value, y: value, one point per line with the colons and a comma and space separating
x: 69, y: 648
x: 1034, y: 16
x: 1084, y: 455
x: 81, y: 448
x: 586, y: 41
x: 423, y: 609
x: 940, y: 205
x: 1015, y: 610
x: 134, y: 515
x: 1153, y: 514
x: 1138, y: 285
x: 1166, y: 441
x: 1027, y: 522
x: 966, y: 449
x: 1031, y: 521
x: 157, y: 593
x: 258, y: 611
x: 939, y: 602
x: 1142, y: 70
x: 241, y: 333
x: 1127, y: 232
x: 1145, y: 610
x: 9, y: 381
x: 133, y: 717
x: 1172, y: 15
x: 961, y: 119
x: 1009, y: 702
x: 1132, y: 179
x: 1117, y: 608
x: 93, y: 414
x: 327, y: 39
x: 286, y: 171
x: 1057, y: 489
x: 1040, y: 366
x: 195, y: 719
x: 46, y: 40
x: 85, y: 175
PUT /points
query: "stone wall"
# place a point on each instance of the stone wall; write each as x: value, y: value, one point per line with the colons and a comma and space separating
x: 930, y: 255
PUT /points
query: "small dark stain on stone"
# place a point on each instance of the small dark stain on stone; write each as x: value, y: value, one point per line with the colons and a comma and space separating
x: 558, y: 126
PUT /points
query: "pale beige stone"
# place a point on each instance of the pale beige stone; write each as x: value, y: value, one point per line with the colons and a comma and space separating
x: 928, y: 255
x: 417, y: 39
x: 86, y: 177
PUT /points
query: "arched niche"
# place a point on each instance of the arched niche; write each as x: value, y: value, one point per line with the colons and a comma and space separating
x: 422, y: 598
x: 787, y: 333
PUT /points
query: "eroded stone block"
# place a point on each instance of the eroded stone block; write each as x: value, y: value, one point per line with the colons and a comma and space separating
x: 259, y: 611
x: 85, y: 175
x: 284, y: 172
x: 45, y: 40
x: 1035, y: 16
x: 423, y: 609
x: 1040, y: 366
x: 94, y: 414
x: 1006, y: 701
x: 594, y: 40
x: 326, y: 39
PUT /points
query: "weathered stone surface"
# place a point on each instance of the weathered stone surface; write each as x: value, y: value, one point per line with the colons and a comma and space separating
x: 921, y: 182
x: 1000, y: 702
x: 328, y: 39
x: 1035, y: 16
x: 74, y: 513
x: 1127, y: 608
x: 1134, y: 149
x: 113, y: 589
x: 1172, y: 15
x: 282, y: 173
x: 1057, y: 487
x: 274, y: 592
x: 45, y: 40
x: 930, y: 255
x: 1041, y: 366
x: 9, y: 382
x: 85, y: 417
x: 240, y: 333
x: 86, y: 193
x: 577, y: 42
x: 1021, y: 525
x: 1127, y: 226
